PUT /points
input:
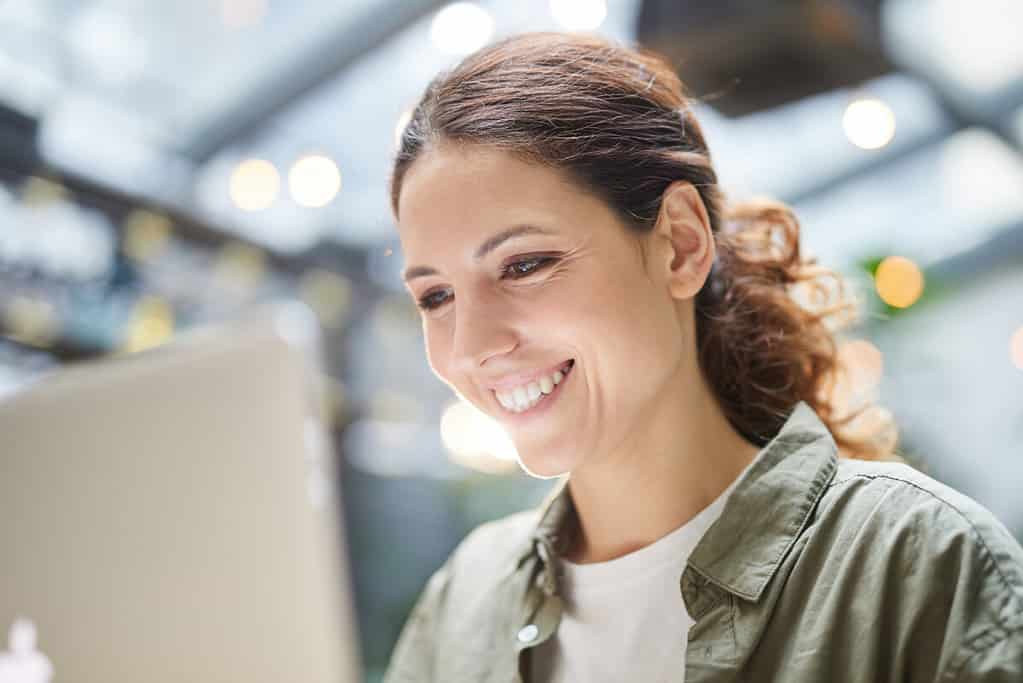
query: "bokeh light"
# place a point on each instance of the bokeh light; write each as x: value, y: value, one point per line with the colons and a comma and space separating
x: 329, y: 294
x: 36, y: 191
x: 475, y: 440
x: 461, y: 28
x: 899, y: 281
x: 152, y: 324
x: 980, y: 178
x: 31, y: 321
x: 869, y: 123
x: 254, y: 185
x: 860, y: 370
x: 1016, y: 348
x: 579, y: 15
x: 146, y: 234
x: 314, y: 181
x: 239, y: 267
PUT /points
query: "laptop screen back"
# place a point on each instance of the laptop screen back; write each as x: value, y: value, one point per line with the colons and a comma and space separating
x: 172, y: 516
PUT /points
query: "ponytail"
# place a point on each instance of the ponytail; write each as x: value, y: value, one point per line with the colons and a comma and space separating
x: 767, y: 323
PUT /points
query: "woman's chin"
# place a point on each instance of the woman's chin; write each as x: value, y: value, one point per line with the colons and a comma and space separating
x: 543, y: 466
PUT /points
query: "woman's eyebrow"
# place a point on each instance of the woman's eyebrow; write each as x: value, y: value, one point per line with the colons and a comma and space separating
x: 488, y: 246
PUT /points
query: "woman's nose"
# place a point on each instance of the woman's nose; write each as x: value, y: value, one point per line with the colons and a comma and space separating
x: 483, y: 328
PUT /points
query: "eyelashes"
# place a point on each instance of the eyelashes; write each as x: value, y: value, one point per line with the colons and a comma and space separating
x: 515, y: 271
x: 430, y: 302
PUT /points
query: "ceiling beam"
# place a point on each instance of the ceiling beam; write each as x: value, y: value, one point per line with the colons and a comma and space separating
x: 283, y: 73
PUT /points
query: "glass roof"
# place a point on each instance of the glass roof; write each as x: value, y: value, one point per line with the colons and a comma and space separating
x: 164, y: 100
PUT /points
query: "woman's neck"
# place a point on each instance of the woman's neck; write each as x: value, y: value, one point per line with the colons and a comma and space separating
x: 675, y: 464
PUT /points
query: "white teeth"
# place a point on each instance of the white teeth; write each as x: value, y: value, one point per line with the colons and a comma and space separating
x: 521, y: 398
x: 528, y: 395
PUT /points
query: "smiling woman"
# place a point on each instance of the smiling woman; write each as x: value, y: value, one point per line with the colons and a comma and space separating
x: 583, y: 280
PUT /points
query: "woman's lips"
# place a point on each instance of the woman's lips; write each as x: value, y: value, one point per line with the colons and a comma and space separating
x: 511, y: 381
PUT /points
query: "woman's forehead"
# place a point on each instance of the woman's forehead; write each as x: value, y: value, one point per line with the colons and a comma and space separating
x: 455, y: 199
x: 472, y: 180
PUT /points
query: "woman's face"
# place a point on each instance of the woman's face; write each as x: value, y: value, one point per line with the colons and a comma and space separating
x: 522, y: 272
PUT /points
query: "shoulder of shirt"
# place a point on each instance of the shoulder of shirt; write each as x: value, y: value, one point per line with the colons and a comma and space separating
x: 487, y: 555
x: 903, y: 500
x: 865, y: 478
x: 459, y: 603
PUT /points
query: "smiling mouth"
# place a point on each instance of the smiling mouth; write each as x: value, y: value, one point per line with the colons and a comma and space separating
x: 524, y: 398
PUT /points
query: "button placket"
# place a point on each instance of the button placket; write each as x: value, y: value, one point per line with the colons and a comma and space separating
x: 542, y: 618
x: 547, y: 578
x: 541, y: 625
x: 528, y: 633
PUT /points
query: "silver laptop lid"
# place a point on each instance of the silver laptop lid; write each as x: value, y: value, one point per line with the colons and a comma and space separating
x: 172, y: 516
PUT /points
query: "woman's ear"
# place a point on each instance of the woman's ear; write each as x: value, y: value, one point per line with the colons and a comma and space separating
x: 684, y: 235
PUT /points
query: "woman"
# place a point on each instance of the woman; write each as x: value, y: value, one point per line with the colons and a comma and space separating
x: 582, y: 281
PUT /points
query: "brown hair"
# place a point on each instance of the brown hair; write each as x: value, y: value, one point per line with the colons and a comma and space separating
x: 618, y: 122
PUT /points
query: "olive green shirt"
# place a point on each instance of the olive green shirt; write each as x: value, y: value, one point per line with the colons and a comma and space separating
x: 819, y: 568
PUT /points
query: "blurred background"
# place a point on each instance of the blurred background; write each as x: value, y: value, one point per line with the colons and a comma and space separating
x: 167, y: 164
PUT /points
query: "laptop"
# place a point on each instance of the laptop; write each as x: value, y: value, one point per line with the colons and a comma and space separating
x: 173, y: 516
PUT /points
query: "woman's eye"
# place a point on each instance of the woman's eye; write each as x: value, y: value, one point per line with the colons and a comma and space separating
x: 527, y: 266
x: 431, y: 301
x: 515, y: 270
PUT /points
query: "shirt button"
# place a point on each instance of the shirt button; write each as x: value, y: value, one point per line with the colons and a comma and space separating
x: 528, y: 634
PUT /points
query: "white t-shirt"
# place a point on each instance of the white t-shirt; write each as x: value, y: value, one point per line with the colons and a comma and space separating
x: 624, y: 620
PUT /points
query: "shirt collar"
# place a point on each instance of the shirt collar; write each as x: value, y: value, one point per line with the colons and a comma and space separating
x: 761, y: 520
